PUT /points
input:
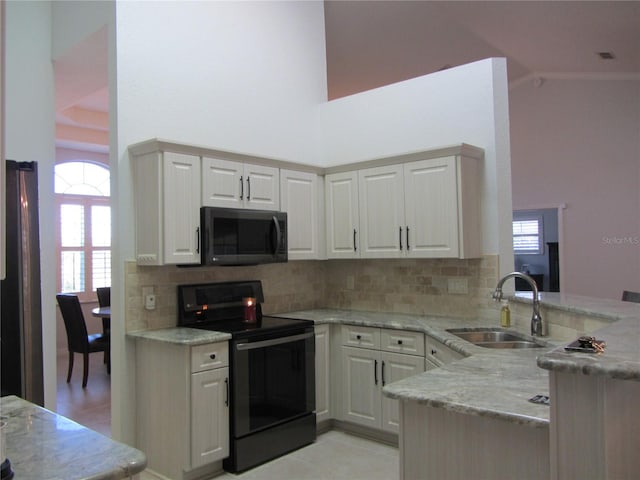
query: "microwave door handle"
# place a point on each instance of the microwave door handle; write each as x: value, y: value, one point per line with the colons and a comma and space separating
x: 278, y: 235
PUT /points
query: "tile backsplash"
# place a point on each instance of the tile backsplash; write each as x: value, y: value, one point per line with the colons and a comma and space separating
x: 452, y: 287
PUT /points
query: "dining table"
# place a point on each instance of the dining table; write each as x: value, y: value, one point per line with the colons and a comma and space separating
x: 105, y: 314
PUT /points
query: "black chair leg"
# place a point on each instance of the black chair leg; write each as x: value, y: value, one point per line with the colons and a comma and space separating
x: 108, y: 355
x: 85, y: 373
x: 70, y: 370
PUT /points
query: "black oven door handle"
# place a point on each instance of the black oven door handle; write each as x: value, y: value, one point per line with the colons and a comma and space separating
x: 272, y: 342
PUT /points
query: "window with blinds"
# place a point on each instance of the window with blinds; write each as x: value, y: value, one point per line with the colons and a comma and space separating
x: 84, y: 228
x: 527, y: 236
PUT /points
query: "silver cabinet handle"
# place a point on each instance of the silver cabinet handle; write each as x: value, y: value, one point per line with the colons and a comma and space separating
x: 408, y: 237
x: 241, y: 188
x: 226, y: 383
x: 248, y: 188
x: 355, y: 247
x: 400, y: 237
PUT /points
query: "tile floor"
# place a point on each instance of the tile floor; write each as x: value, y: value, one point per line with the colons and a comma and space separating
x: 334, y: 456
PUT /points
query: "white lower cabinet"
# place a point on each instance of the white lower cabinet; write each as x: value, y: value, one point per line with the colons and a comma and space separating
x: 323, y: 378
x: 209, y: 416
x: 438, y: 354
x: 182, y: 407
x: 368, y: 365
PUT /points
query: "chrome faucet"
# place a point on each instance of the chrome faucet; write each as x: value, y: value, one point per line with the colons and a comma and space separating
x: 537, y: 327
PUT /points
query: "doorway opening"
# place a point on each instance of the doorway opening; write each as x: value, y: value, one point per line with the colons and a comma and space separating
x: 536, y: 248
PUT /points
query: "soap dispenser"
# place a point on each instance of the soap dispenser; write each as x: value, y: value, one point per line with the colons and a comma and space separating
x: 505, y: 315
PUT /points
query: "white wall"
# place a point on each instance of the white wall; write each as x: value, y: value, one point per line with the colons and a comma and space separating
x: 29, y: 137
x: 467, y: 104
x: 578, y: 142
x: 240, y: 76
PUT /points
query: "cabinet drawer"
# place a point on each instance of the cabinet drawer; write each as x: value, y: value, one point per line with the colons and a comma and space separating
x: 402, y: 341
x: 439, y: 353
x: 365, y: 337
x: 208, y: 356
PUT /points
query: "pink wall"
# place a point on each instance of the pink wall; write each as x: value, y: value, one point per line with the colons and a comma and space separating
x: 577, y: 142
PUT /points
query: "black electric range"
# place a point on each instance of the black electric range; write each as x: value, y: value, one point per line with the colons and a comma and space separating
x: 271, y: 370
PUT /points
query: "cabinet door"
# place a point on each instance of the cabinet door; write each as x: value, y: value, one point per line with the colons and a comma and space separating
x: 396, y: 367
x: 362, y: 386
x: 341, y: 193
x: 262, y: 187
x: 381, y: 203
x: 209, y: 416
x: 181, y: 208
x: 322, y: 373
x: 222, y: 183
x: 298, y: 191
x: 431, y: 208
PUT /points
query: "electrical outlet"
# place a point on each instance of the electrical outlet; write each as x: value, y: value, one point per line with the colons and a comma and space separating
x: 149, y: 297
x: 458, y: 286
x: 150, y: 302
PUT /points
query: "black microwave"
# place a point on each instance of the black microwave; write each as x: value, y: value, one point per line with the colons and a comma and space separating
x: 232, y: 236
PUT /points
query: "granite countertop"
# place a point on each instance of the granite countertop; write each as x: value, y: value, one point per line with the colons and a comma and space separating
x: 181, y: 336
x: 489, y: 382
x: 620, y: 360
x: 42, y: 444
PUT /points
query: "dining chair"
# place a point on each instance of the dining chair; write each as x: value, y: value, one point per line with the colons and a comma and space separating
x: 104, y: 300
x: 629, y: 296
x: 78, y: 340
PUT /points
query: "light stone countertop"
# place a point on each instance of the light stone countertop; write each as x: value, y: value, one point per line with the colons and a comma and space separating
x: 181, y: 336
x: 41, y: 444
x: 489, y: 382
x: 602, y: 308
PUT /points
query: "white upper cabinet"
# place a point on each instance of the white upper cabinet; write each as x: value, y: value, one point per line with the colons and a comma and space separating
x: 381, y: 212
x: 423, y: 209
x: 299, y: 197
x: 431, y: 208
x: 167, y: 206
x: 341, y: 194
x: 232, y: 184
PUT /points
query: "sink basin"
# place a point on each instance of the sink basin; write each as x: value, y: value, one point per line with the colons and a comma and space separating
x: 494, y: 338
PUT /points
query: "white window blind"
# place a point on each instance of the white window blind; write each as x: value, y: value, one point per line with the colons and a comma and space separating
x: 527, y: 236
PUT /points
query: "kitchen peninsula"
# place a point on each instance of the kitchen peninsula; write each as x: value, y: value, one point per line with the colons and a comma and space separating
x: 463, y: 421
x: 42, y: 444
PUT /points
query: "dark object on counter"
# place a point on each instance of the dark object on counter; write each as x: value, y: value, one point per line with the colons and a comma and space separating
x: 271, y: 369
x: 5, y: 470
x: 628, y: 296
x: 541, y: 399
x: 78, y: 340
x: 586, y: 344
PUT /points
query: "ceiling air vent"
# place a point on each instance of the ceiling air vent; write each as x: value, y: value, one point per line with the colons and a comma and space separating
x: 606, y: 55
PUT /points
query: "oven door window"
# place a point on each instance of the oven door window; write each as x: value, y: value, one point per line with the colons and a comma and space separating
x: 274, y: 382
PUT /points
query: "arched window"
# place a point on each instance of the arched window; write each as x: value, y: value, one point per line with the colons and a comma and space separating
x: 84, y: 227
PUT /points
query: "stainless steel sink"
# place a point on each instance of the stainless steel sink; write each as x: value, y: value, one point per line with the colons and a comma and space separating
x: 494, y: 338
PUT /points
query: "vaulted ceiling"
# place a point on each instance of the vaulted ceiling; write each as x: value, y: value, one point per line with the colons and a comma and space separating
x: 375, y: 43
